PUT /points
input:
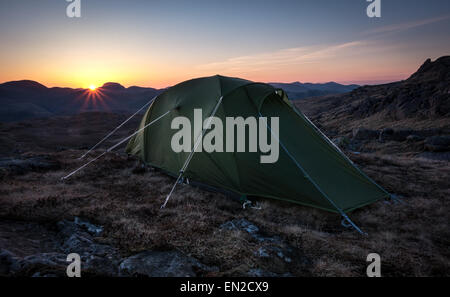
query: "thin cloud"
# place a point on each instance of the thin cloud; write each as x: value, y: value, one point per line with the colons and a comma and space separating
x: 406, y: 26
x: 290, y: 56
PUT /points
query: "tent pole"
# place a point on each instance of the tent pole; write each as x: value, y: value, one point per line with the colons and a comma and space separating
x: 343, y: 214
x: 117, y: 128
x: 191, y: 154
x: 116, y: 145
x: 339, y: 150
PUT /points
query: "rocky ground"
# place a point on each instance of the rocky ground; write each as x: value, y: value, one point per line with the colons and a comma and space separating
x: 110, y: 213
x: 41, y: 250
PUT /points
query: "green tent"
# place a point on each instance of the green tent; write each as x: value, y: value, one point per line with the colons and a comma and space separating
x: 310, y: 170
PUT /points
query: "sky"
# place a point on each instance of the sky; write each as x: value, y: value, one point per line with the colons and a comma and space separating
x: 160, y: 43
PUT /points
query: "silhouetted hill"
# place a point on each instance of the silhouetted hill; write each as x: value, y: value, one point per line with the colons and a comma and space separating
x: 22, y: 100
x: 298, y: 90
x: 112, y: 86
x: 26, y: 99
x: 25, y: 84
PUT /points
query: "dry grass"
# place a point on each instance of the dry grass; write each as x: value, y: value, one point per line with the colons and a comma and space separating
x: 412, y: 238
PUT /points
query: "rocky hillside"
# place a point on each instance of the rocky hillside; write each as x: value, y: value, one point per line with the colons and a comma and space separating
x: 424, y: 97
x: 410, y: 116
x: 421, y: 101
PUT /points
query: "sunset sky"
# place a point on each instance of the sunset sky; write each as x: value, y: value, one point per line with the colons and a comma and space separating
x: 160, y: 43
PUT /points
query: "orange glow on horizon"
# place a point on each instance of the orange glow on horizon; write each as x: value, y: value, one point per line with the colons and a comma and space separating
x: 94, y: 100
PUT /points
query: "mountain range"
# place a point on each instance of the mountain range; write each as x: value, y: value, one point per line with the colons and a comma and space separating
x: 298, y: 90
x: 425, y: 94
x: 26, y: 99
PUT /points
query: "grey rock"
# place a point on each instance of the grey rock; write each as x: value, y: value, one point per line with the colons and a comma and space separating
x: 161, y: 264
x: 240, y: 224
x: 257, y: 272
x: 77, y: 243
x: 91, y: 228
x: 261, y: 252
x: 79, y: 225
x: 77, y: 237
x: 106, y: 265
x: 250, y: 228
x: 39, y: 274
x: 260, y: 273
x: 272, y: 246
x: 56, y: 261
x: 271, y: 251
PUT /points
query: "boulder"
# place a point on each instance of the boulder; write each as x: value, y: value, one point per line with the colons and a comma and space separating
x: 272, y: 248
x: 240, y: 224
x: 78, y: 237
x: 161, y: 264
x: 91, y: 228
x: 55, y: 262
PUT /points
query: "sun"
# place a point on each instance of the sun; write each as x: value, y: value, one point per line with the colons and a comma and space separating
x: 92, y: 87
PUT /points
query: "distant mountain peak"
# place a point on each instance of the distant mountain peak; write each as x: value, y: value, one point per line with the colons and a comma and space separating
x: 25, y: 84
x: 423, y: 96
x: 298, y: 90
x: 437, y: 70
x: 112, y: 86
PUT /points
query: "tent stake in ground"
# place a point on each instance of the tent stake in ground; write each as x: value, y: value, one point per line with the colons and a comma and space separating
x: 344, y: 215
